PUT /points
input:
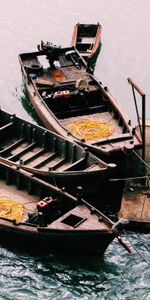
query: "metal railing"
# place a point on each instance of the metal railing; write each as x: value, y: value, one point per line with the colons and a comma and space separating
x: 142, y: 130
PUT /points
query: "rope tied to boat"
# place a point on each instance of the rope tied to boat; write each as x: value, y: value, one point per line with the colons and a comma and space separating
x: 90, y: 129
x: 139, y: 177
x: 11, y: 209
x: 137, y: 251
x: 143, y: 161
x: 129, y: 178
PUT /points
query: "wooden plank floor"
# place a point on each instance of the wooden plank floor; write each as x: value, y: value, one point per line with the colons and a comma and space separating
x: 135, y: 205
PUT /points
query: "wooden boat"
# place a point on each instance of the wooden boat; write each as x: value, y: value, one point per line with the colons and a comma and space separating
x: 35, y: 213
x: 46, y: 154
x: 87, y: 40
x: 68, y: 100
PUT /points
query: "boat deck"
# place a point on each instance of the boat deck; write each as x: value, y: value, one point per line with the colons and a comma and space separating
x: 86, y: 220
x: 135, y: 206
x: 81, y: 214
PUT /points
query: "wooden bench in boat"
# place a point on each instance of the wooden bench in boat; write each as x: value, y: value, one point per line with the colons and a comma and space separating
x: 78, y: 111
x: 6, y: 128
x: 43, y: 81
x: 121, y: 137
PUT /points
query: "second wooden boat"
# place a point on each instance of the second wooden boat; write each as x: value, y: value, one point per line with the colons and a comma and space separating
x: 46, y: 154
x: 36, y: 214
x: 87, y: 40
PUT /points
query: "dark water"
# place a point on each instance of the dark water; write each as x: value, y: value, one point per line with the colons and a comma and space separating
x: 125, y: 53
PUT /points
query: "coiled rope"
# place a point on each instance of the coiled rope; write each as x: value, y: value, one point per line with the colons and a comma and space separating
x: 11, y: 209
x: 90, y: 129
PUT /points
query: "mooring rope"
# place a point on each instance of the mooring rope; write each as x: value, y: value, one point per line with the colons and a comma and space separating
x: 143, y: 161
x: 129, y: 178
x: 138, y: 252
x: 134, y: 178
x: 124, y: 275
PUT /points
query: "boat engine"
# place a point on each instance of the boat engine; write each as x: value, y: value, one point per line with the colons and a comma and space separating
x: 48, y: 210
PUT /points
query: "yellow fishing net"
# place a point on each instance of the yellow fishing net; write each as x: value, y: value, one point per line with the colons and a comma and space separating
x: 90, y: 129
x: 12, y: 210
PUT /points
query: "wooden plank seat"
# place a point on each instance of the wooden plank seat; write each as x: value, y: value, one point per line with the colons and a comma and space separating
x: 75, y: 165
x: 23, y: 151
x: 93, y: 168
x: 112, y: 139
x: 58, y: 163
x: 12, y: 146
x: 44, y: 81
x: 6, y: 128
x: 46, y: 160
x: 34, y: 156
x: 80, y: 111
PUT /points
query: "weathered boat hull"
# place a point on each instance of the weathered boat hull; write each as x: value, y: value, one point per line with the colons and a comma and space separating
x: 79, y: 227
x: 49, y: 241
x: 69, y: 95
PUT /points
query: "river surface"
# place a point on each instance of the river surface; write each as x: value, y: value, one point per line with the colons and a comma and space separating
x: 125, y: 53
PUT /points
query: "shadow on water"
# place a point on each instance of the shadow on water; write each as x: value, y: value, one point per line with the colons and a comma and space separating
x: 26, y: 103
x: 60, y: 255
x: 92, y: 61
x: 80, y: 276
x: 65, y: 270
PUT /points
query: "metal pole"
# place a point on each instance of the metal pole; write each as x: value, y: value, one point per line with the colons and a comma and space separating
x: 137, y: 112
x: 143, y: 127
x: 143, y: 114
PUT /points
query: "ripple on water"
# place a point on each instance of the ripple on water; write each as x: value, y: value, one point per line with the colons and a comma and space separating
x: 23, y: 24
x: 118, y: 275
